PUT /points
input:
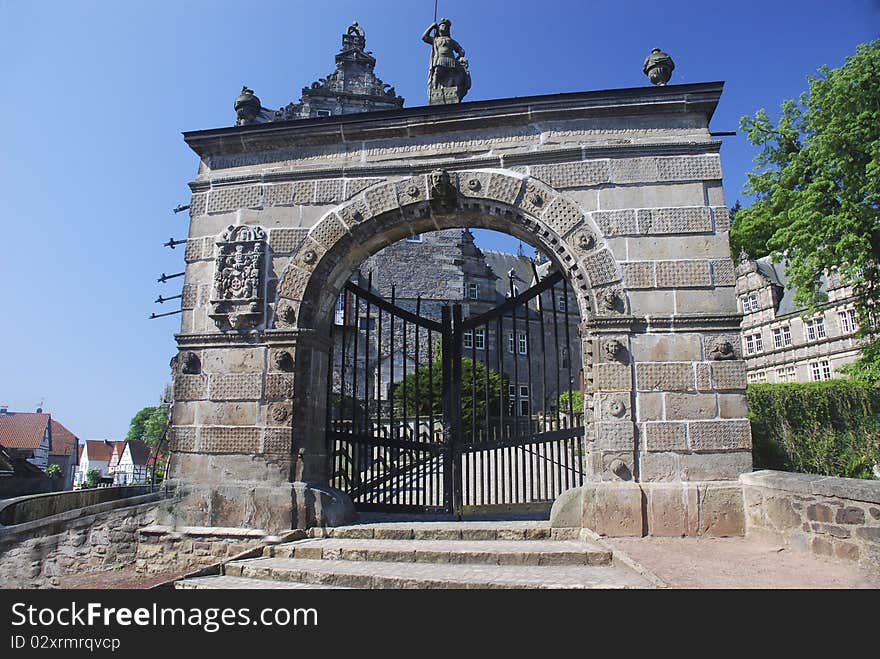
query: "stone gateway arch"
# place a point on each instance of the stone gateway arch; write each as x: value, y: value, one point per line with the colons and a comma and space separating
x: 621, y: 189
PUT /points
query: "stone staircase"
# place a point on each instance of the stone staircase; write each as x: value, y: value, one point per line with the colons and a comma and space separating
x: 432, y: 555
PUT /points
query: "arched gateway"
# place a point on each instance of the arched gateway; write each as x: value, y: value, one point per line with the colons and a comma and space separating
x: 621, y: 189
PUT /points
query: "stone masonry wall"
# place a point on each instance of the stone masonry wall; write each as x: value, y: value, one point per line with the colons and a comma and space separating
x: 837, y: 517
x: 36, y: 558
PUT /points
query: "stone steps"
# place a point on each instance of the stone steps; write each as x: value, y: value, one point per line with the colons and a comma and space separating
x: 431, y: 555
x: 479, y: 552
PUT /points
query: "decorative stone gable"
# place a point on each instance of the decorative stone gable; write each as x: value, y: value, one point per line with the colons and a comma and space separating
x: 239, y: 281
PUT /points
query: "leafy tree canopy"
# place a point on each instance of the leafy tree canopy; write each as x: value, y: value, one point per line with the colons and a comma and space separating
x: 816, y: 184
x: 148, y: 424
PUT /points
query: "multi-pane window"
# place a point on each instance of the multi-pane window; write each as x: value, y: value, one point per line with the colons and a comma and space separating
x: 510, y: 343
x: 782, y: 337
x: 814, y: 329
x: 821, y: 370
x: 523, y: 408
x: 367, y: 324
x: 847, y: 321
x: 750, y: 303
x: 562, y: 303
x: 754, y: 343
x: 415, y: 238
x: 786, y: 374
x: 523, y: 343
x: 473, y: 291
x: 757, y: 376
x: 475, y: 339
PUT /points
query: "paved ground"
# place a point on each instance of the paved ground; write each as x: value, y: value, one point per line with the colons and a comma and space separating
x: 739, y: 563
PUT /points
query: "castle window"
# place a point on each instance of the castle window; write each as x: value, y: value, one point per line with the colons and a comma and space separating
x: 523, y: 408
x: 523, y: 344
x: 782, y: 337
x: 821, y: 370
x: 322, y: 113
x: 473, y: 291
x: 750, y: 303
x: 417, y: 238
x: 367, y: 324
x: 847, y: 321
x: 475, y: 339
x: 814, y: 329
x: 562, y: 303
x: 754, y: 343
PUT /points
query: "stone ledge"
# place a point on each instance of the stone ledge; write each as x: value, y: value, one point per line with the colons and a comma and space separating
x: 842, y: 488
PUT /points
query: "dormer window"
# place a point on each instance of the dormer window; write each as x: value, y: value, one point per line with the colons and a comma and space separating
x: 750, y: 303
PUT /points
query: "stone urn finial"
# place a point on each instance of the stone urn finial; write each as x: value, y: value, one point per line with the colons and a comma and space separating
x: 658, y: 67
x: 247, y: 107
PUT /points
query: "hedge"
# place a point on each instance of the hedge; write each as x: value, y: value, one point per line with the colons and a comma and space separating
x: 830, y: 428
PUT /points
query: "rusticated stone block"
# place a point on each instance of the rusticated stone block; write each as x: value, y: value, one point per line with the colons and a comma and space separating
x: 354, y: 212
x: 612, y: 377
x: 188, y: 296
x: 721, y: 510
x: 278, y: 441
x: 355, y: 185
x: 675, y: 376
x: 329, y: 191
x: 328, y: 231
x: 230, y: 198
x: 638, y: 274
x: 689, y: 168
x: 728, y: 435
x: 183, y: 440
x: 503, y: 188
x: 235, y: 387
x: 218, y: 439
x: 573, y: 174
x: 723, y: 273
x: 661, y: 437
x: 634, y: 170
x: 536, y: 198
x: 381, y: 199
x: 293, y: 283
x: 691, y: 219
x: 704, y: 377
x: 198, y: 204
x: 616, y: 223
x: 721, y: 215
x: 563, y: 216
x: 190, y: 387
x: 285, y: 241
x: 411, y: 190
x: 730, y: 375
x: 683, y: 274
x: 618, y: 436
x: 198, y: 249
x: 850, y: 515
x: 672, y: 509
x: 613, y: 509
x: 600, y: 268
x: 279, y: 386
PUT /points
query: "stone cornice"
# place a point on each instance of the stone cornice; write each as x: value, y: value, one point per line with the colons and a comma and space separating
x: 698, y: 98
x: 304, y: 338
x: 545, y: 156
x: 659, y: 324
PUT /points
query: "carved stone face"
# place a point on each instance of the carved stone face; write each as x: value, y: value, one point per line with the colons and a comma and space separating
x: 440, y: 179
x: 609, y: 299
x: 613, y: 348
x: 586, y: 240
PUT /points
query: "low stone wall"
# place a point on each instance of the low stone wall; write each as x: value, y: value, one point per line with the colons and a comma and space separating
x: 620, y: 509
x: 39, y: 506
x: 162, y: 548
x: 837, y: 517
x: 36, y: 553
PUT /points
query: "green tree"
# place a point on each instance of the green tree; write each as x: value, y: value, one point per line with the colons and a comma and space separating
x: 93, y: 477
x: 430, y: 391
x: 816, y: 185
x: 577, y: 401
x: 148, y: 424
x: 53, y: 471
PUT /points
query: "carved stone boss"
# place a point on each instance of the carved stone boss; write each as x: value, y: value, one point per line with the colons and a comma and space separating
x: 239, y: 280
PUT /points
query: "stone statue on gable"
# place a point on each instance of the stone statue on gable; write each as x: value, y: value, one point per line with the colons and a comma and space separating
x: 449, y: 79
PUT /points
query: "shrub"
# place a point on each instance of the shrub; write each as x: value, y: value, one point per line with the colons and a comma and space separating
x: 828, y: 428
x: 53, y: 471
x: 577, y: 401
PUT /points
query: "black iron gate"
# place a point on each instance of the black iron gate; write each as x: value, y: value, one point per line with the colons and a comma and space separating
x: 458, y: 415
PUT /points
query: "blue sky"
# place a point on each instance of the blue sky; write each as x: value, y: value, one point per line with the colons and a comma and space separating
x: 96, y: 94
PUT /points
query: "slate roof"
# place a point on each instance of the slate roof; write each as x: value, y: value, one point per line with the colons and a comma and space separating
x: 777, y: 275
x: 140, y: 452
x: 63, y: 440
x: 23, y: 429
x: 501, y: 263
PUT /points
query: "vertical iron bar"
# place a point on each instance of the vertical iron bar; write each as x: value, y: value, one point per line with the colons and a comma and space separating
x: 391, y: 386
x: 448, y: 412
x: 378, y: 429
x: 354, y: 380
x: 367, y: 361
x: 556, y: 353
x: 456, y: 402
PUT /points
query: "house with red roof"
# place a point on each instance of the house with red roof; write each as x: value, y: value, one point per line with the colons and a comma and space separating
x: 26, y: 435
x: 97, y: 454
x: 134, y: 464
x: 63, y: 452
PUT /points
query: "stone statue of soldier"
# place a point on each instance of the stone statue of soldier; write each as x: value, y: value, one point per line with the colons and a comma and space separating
x: 449, y: 79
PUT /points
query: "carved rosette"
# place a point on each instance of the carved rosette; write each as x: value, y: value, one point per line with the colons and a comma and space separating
x: 239, y: 279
